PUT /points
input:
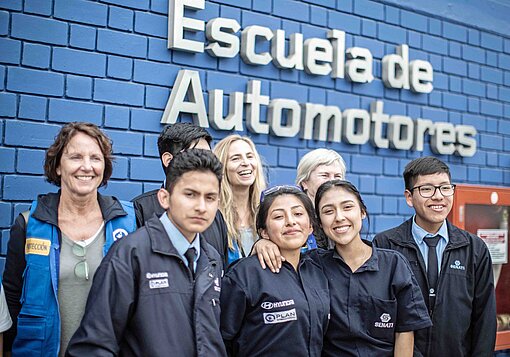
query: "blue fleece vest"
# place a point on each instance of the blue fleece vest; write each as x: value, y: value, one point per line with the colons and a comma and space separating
x: 38, y: 331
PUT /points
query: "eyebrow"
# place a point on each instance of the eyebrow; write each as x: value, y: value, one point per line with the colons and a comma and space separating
x: 333, y: 204
x: 293, y: 207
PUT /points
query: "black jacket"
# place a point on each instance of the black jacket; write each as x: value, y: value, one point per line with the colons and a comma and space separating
x: 144, y: 302
x: 47, y: 211
x: 464, y: 315
x: 147, y: 204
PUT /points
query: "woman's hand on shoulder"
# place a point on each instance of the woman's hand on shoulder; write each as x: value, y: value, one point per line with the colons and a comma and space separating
x: 268, y: 254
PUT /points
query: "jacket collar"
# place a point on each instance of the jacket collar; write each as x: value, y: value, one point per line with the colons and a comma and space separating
x: 47, y: 207
x: 403, y: 235
x: 160, y: 242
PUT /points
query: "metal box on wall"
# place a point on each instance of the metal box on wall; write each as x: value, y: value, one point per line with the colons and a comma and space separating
x: 484, y: 211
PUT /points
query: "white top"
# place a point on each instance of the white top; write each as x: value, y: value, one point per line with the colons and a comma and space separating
x: 5, y: 318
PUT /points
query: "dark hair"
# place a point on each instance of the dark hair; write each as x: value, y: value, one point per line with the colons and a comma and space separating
x: 180, y: 136
x: 192, y: 160
x: 346, y: 185
x: 427, y: 165
x: 68, y: 131
x: 269, y: 198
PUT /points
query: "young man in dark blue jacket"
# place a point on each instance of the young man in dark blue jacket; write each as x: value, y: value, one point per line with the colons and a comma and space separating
x: 453, y: 267
x: 157, y: 292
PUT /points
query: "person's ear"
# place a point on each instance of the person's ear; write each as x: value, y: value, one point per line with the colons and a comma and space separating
x: 166, y: 158
x: 263, y: 234
x: 164, y: 198
x: 409, y: 198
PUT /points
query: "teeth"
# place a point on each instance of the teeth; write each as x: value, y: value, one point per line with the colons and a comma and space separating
x: 342, y: 229
x: 84, y: 178
x: 245, y: 172
x: 436, y: 207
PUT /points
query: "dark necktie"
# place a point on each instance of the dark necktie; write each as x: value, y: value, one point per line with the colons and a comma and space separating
x: 190, y: 255
x: 432, y: 269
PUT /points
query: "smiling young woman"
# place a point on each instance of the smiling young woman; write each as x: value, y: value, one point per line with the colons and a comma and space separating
x: 266, y: 314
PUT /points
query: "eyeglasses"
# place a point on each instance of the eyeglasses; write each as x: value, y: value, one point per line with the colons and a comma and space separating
x: 427, y: 191
x: 81, y: 269
x: 279, y: 189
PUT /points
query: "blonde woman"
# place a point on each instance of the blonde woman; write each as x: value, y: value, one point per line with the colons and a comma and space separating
x: 243, y: 181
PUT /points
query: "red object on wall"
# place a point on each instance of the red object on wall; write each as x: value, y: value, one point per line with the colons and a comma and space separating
x: 482, y: 207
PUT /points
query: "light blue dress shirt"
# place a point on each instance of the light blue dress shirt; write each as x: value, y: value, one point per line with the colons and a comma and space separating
x: 178, y: 240
x: 419, y: 234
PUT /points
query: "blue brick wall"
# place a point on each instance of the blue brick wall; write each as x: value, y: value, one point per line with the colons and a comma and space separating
x: 107, y: 62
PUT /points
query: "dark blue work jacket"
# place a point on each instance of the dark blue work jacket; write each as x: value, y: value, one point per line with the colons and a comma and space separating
x: 370, y: 305
x: 266, y: 314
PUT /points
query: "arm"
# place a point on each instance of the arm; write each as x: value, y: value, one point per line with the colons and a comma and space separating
x: 233, y: 302
x: 268, y: 254
x: 404, y: 344
x: 483, y: 316
x: 109, y: 308
x: 13, y: 276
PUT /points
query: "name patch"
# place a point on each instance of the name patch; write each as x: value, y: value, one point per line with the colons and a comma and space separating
x: 37, y: 246
x: 158, y: 283
x: 279, y: 317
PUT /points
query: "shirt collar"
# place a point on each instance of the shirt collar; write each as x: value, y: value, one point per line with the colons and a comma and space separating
x: 372, y: 264
x: 419, y: 233
x: 178, y: 240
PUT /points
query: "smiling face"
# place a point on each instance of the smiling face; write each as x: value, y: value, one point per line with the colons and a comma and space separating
x: 321, y: 174
x: 341, y: 216
x: 242, y: 166
x: 288, y: 224
x: 430, y: 212
x: 193, y: 202
x: 81, y: 166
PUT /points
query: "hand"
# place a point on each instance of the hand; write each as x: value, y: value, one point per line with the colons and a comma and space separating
x: 268, y: 254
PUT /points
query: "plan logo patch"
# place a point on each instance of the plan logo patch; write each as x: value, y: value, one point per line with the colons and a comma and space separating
x: 457, y: 266
x: 385, y: 321
x: 279, y: 317
x: 37, y: 246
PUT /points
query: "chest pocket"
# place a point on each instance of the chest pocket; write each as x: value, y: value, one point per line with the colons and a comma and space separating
x: 380, y: 317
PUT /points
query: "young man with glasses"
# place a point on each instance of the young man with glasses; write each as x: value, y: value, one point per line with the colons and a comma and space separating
x: 453, y: 267
x: 157, y: 291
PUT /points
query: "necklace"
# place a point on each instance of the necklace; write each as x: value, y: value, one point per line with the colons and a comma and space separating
x: 242, y: 219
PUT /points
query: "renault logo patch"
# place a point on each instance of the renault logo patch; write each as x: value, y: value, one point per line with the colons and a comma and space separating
x: 37, y: 246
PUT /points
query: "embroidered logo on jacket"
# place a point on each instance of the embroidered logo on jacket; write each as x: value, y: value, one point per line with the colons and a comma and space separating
x: 456, y: 265
x: 37, y: 246
x: 268, y: 305
x: 157, y: 280
x: 385, y: 321
x: 279, y: 317
x: 119, y: 233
